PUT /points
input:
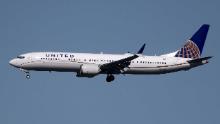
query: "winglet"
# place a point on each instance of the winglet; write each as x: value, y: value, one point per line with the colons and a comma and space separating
x: 141, y: 49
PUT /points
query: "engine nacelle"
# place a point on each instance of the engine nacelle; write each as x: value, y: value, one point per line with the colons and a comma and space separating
x: 88, y: 70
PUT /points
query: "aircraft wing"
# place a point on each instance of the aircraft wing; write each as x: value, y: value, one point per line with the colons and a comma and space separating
x: 199, y: 60
x: 118, y: 66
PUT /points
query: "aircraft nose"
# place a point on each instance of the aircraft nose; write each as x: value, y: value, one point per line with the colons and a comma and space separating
x: 13, y: 63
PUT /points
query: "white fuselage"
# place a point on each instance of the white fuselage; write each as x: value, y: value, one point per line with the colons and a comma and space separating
x: 90, y: 64
x: 72, y: 62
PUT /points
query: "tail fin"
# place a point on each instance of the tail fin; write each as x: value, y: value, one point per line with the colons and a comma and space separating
x: 194, y: 46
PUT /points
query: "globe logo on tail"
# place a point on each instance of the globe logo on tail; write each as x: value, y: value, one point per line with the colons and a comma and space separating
x: 189, y: 50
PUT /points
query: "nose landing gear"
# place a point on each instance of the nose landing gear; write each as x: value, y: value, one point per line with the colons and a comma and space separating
x: 27, y: 73
x: 110, y: 78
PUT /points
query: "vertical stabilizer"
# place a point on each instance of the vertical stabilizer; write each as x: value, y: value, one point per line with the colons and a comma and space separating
x: 194, y: 46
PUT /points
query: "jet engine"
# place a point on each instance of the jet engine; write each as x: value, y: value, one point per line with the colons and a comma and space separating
x: 88, y: 70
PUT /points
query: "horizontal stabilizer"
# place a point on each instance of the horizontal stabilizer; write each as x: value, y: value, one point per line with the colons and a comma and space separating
x: 199, y: 59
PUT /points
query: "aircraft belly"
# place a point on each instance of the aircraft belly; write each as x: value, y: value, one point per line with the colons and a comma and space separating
x: 150, y: 70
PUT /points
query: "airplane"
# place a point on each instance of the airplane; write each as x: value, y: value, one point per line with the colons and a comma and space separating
x: 93, y: 64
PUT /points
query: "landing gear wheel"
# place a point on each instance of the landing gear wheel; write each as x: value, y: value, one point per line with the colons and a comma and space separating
x: 28, y: 76
x: 27, y: 73
x: 110, y: 78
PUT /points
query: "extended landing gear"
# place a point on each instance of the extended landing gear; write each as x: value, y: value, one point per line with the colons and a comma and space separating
x: 110, y: 78
x: 28, y: 75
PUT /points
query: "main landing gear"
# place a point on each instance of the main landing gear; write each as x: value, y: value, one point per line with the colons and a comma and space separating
x: 110, y: 77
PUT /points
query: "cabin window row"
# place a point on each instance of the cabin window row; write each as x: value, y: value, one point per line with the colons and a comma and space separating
x: 49, y: 58
x: 95, y: 60
x: 147, y: 62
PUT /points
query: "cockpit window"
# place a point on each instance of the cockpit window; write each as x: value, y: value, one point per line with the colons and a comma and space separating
x: 21, y: 57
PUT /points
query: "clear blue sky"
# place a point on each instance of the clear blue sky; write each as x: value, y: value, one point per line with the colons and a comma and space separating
x: 114, y: 26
